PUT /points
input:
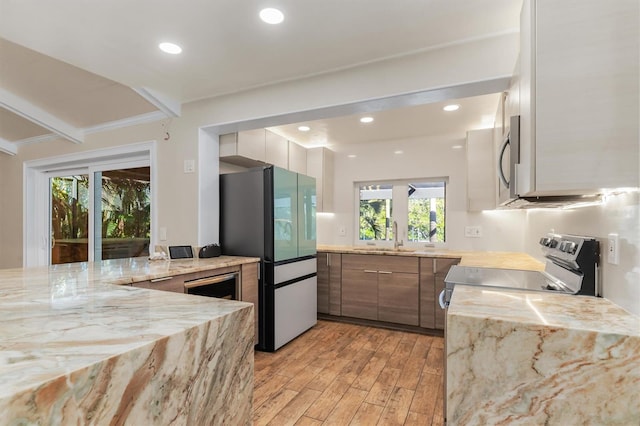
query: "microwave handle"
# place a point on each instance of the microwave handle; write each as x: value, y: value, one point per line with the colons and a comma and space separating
x: 503, y: 179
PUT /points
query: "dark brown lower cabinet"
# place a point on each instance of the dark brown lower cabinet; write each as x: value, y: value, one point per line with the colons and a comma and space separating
x: 360, y: 293
x: 432, y: 274
x: 398, y: 297
x: 381, y: 288
x: 329, y: 283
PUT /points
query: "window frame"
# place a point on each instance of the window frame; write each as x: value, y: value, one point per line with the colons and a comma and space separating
x: 400, y: 212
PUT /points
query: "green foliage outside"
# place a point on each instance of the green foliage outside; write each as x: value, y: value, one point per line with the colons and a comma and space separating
x: 420, y: 223
x: 126, y: 207
x: 69, y: 213
x: 373, y: 220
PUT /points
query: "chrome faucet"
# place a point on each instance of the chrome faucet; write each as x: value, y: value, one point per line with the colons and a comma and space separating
x: 396, y: 243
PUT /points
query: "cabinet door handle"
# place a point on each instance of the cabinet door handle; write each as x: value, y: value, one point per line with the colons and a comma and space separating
x: 385, y: 272
x: 157, y: 280
x: 368, y: 271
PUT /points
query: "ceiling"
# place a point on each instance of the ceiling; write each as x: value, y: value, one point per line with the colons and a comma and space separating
x: 71, y: 65
x: 427, y: 120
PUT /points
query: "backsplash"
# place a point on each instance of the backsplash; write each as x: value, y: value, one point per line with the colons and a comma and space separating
x: 621, y: 215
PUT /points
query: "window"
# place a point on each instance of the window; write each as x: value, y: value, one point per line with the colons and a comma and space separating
x: 121, y: 215
x: 417, y: 206
x: 92, y: 205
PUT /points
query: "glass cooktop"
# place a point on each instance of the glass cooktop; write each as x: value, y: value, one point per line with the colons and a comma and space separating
x: 504, y: 278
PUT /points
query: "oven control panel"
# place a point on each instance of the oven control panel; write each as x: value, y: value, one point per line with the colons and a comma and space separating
x: 572, y: 250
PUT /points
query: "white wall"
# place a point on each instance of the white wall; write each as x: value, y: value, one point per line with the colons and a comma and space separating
x: 421, y: 158
x: 621, y: 215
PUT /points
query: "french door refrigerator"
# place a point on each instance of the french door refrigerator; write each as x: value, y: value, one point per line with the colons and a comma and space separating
x: 269, y: 212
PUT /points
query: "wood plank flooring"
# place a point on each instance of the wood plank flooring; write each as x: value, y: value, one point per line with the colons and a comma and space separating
x: 345, y: 374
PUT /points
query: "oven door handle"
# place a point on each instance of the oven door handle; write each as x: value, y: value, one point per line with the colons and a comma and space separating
x: 443, y: 304
x: 210, y: 280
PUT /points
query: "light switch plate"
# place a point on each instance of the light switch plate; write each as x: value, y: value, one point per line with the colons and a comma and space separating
x: 473, y: 231
x: 189, y: 166
x: 613, y: 249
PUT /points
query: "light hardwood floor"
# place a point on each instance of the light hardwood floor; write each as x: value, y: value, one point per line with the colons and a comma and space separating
x: 344, y: 374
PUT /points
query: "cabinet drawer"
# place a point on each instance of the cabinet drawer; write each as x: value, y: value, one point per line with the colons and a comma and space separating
x: 174, y: 284
x: 380, y: 263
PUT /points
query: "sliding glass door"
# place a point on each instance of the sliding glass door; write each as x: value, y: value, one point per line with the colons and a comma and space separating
x: 69, y: 199
x: 123, y: 217
x: 99, y: 213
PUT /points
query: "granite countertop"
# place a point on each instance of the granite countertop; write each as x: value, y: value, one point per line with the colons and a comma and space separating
x: 124, y: 271
x: 59, y: 319
x: 543, y: 309
x: 480, y: 259
x: 540, y: 358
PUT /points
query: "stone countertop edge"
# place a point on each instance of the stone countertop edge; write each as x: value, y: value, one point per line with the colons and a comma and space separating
x: 538, y: 309
x: 486, y: 259
x: 164, y: 268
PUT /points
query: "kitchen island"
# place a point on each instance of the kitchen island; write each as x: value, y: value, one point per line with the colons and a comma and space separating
x: 76, y: 349
x: 520, y: 357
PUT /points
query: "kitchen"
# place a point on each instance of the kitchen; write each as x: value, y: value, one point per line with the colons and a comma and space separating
x: 476, y: 60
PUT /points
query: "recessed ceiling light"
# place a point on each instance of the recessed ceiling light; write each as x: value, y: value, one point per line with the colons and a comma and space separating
x: 398, y: 152
x: 304, y: 128
x: 351, y: 156
x: 271, y: 16
x: 366, y: 119
x: 452, y: 107
x: 457, y: 147
x: 171, y: 48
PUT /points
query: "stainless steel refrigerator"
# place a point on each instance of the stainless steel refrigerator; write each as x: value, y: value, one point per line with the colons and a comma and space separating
x: 269, y: 212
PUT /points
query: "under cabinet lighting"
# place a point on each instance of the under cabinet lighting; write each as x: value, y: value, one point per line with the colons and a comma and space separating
x: 398, y: 152
x: 304, y: 128
x: 271, y: 16
x: 452, y: 107
x: 170, y: 48
x: 457, y: 147
x: 352, y: 156
x: 366, y: 119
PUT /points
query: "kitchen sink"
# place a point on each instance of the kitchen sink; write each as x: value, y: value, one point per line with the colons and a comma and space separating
x: 386, y: 249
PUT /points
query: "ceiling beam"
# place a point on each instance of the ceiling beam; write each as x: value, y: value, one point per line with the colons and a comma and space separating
x: 42, y: 118
x: 164, y: 103
x: 8, y: 147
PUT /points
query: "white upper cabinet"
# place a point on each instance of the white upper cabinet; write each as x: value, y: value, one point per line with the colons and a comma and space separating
x: 252, y: 148
x: 246, y: 149
x: 320, y: 166
x: 481, y: 171
x: 297, y: 158
x: 579, y: 96
x: 276, y: 149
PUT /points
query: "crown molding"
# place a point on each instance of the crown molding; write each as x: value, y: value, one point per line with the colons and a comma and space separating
x: 8, y: 147
x: 171, y: 107
x: 125, y: 122
x: 37, y: 115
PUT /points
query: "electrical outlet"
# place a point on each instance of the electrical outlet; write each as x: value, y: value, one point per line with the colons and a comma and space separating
x: 163, y: 234
x: 473, y: 231
x: 613, y: 249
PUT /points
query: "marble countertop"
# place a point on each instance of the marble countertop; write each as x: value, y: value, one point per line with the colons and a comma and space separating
x: 521, y: 357
x: 543, y: 309
x: 58, y: 319
x: 483, y: 259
